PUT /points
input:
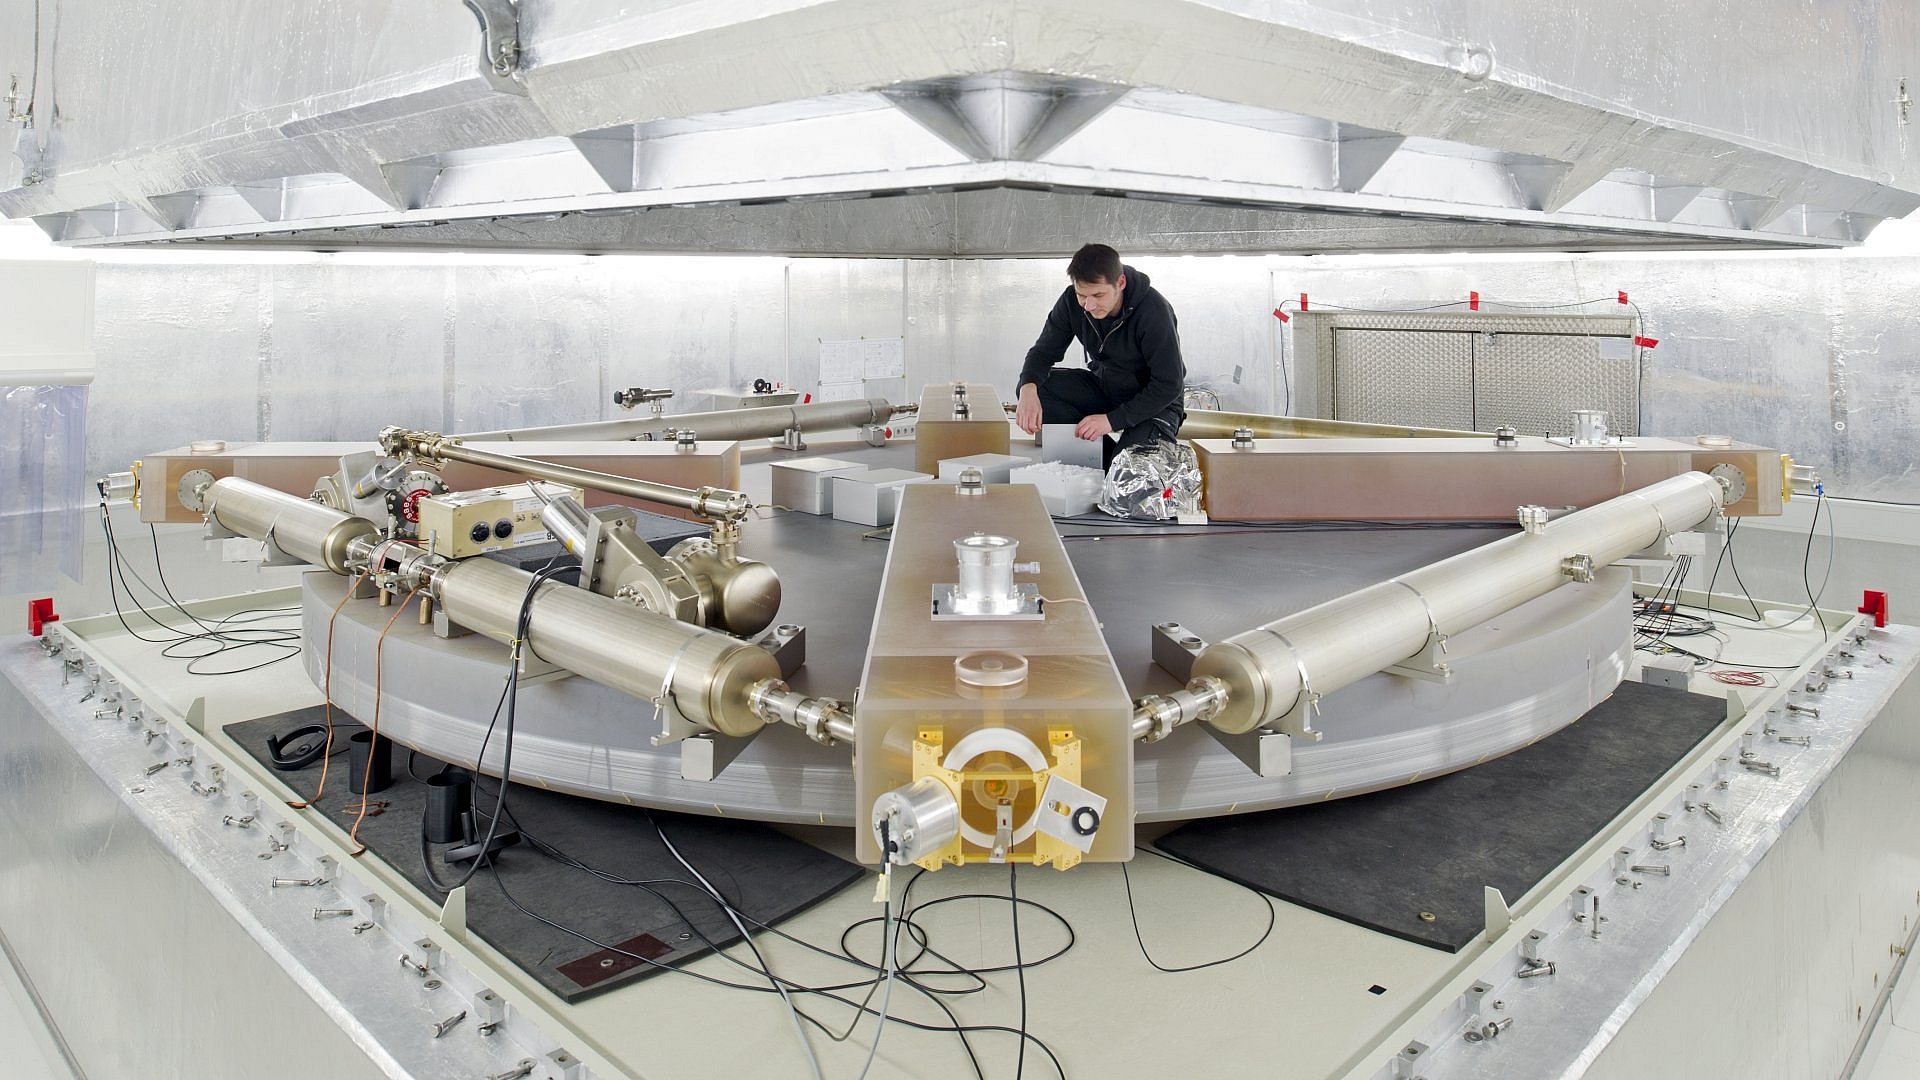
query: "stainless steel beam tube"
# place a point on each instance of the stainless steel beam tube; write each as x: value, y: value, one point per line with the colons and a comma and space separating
x: 707, y: 674
x: 1204, y: 424
x: 1270, y: 669
x: 728, y: 424
x: 716, y: 503
x: 305, y: 530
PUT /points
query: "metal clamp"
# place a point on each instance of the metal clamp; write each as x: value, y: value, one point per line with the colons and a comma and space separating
x: 1665, y: 531
x: 1297, y: 720
x: 674, y: 724
x: 500, y: 42
x: 1427, y: 663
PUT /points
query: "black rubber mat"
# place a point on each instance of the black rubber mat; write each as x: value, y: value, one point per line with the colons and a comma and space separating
x: 1381, y: 860
x: 763, y: 873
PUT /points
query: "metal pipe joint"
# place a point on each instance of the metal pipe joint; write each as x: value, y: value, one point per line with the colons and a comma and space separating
x: 1155, y: 716
x: 425, y: 446
x: 824, y: 720
x: 393, y: 564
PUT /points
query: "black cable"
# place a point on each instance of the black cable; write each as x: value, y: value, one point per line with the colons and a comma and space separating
x: 1733, y: 562
x: 905, y: 970
x: 221, y: 637
x: 1020, y: 969
x: 508, y: 697
x: 1273, y: 918
x: 1806, y: 559
x: 752, y: 946
x: 955, y: 1028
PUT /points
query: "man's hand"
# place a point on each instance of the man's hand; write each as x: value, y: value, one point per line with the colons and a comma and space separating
x: 1094, y: 427
x: 1026, y: 416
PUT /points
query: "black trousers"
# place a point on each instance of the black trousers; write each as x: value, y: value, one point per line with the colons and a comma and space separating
x: 1070, y: 395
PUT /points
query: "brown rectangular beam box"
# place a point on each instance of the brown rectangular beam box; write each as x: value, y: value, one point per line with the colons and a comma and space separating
x: 942, y: 435
x: 910, y: 680
x: 1455, y: 479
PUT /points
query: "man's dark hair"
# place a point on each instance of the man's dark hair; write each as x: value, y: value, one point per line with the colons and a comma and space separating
x: 1095, y: 264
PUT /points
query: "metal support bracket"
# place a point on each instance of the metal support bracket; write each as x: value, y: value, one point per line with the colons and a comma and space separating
x: 499, y: 43
x: 444, y: 627
x: 1268, y: 752
x: 787, y: 643
x: 873, y: 434
x: 1427, y: 663
x: 274, y: 556
x: 1175, y: 648
x: 705, y: 755
x: 792, y: 440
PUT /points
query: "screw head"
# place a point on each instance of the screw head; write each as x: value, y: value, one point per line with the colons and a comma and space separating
x: 1428, y: 916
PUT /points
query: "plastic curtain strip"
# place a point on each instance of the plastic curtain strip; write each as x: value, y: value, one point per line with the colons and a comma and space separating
x: 43, y: 485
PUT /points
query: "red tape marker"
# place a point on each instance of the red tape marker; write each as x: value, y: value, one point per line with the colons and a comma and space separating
x: 1645, y: 342
x: 1874, y: 604
x: 1473, y: 301
x: 1303, y: 301
x: 40, y: 613
x: 1623, y: 299
x: 1281, y: 315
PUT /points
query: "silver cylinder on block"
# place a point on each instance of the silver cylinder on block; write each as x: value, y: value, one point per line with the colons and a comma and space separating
x: 305, y: 530
x: 986, y: 566
x: 1268, y: 670
x: 709, y: 675
x: 567, y: 520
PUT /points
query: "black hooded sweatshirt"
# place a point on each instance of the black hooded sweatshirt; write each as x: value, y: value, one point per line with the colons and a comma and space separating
x: 1135, y: 353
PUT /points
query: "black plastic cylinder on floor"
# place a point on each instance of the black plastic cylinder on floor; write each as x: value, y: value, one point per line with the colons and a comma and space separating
x: 364, y: 744
x: 448, y: 793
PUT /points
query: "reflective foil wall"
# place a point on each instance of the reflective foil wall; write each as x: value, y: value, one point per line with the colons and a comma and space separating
x: 1815, y: 354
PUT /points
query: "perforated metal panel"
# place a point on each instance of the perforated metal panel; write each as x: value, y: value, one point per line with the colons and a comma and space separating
x: 1472, y: 370
x: 1535, y: 381
x: 1419, y: 378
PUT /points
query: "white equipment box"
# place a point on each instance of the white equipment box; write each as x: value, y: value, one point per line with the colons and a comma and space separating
x: 871, y: 497
x: 807, y: 485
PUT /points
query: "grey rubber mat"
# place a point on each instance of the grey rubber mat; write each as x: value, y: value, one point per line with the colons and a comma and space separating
x: 763, y: 873
x: 1381, y: 860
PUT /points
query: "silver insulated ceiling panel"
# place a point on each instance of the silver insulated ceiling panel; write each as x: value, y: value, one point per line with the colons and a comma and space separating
x: 962, y: 127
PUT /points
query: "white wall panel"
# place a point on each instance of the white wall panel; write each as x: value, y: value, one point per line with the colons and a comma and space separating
x: 530, y: 344
x: 691, y: 323
x: 355, y: 348
x: 1772, y: 349
x: 180, y: 354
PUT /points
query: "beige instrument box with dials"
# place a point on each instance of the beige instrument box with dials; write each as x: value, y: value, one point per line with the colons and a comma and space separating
x: 463, y: 523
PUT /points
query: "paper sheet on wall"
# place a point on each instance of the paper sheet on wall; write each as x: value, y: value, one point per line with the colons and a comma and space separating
x: 883, y: 358
x: 839, y: 363
x: 843, y: 362
x: 839, y: 392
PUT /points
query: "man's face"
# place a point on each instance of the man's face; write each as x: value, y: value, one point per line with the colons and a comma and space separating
x: 1098, y: 298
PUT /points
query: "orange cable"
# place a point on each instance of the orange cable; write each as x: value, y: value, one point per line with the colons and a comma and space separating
x: 326, y: 690
x: 366, y: 778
